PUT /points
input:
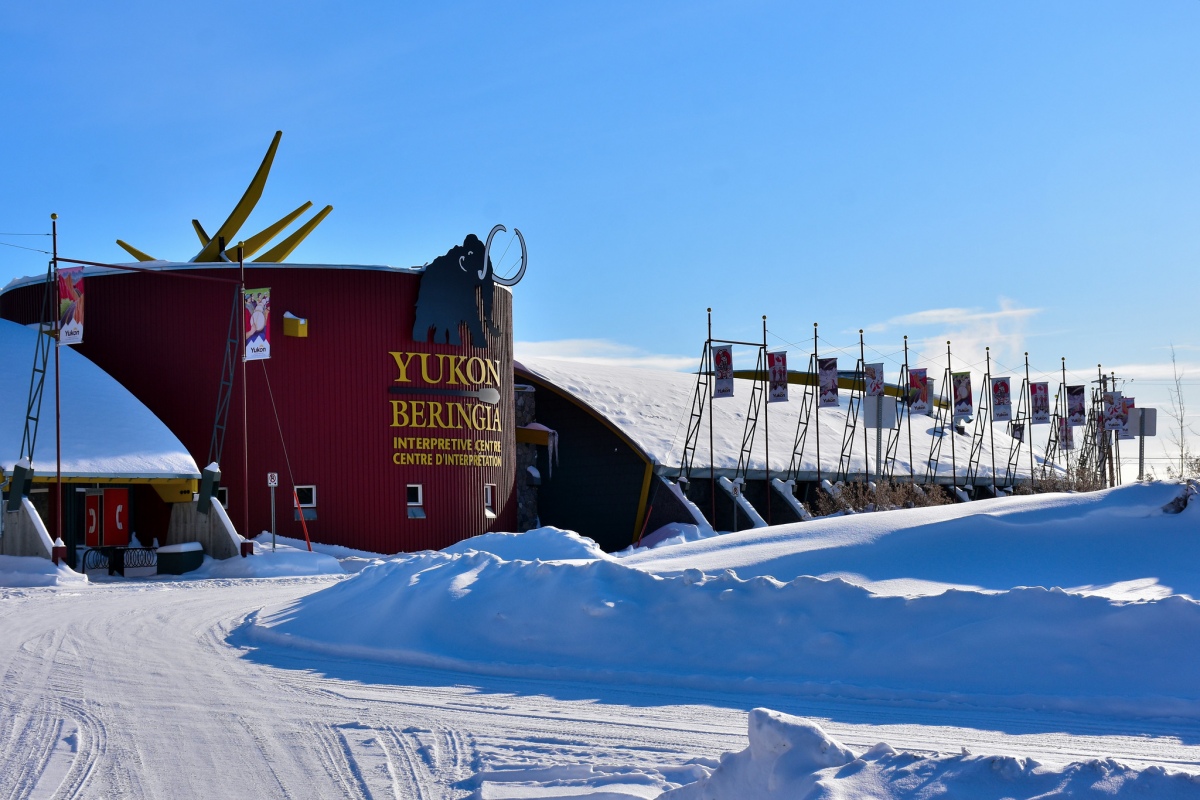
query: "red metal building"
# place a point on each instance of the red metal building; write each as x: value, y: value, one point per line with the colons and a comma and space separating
x: 398, y: 444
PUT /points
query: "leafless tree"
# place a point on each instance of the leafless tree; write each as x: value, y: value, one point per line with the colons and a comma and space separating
x: 1177, y: 434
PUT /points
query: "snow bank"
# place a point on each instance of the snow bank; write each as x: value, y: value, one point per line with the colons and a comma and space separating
x: 540, y: 544
x: 604, y: 620
x: 283, y: 562
x: 1118, y: 543
x: 793, y: 758
x: 25, y: 571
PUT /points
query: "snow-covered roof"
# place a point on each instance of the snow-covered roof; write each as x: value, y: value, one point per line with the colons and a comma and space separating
x: 652, y: 407
x: 107, y: 432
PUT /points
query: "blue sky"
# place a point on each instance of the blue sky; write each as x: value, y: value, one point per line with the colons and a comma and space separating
x: 1023, y: 176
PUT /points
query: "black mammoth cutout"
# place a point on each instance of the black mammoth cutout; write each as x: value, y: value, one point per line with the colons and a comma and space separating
x: 457, y: 288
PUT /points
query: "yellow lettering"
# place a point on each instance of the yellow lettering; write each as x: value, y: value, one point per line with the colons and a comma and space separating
x: 494, y: 372
x: 425, y: 369
x: 399, y: 413
x: 479, y: 424
x: 418, y: 413
x: 435, y: 415
x: 472, y: 363
x: 402, y: 365
x: 456, y: 374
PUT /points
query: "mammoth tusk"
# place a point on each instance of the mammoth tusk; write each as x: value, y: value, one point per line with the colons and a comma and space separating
x: 524, y: 260
x: 461, y: 265
x: 487, y: 251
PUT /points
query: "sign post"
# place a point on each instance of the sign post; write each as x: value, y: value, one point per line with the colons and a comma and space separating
x: 272, y: 482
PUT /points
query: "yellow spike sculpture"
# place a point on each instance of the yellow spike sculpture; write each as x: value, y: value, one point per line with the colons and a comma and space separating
x: 210, y: 250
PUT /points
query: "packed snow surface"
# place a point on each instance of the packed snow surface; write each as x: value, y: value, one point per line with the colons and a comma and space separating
x: 106, y: 430
x: 652, y: 408
x: 745, y: 610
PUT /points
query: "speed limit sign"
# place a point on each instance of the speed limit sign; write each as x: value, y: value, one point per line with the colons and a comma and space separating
x: 272, y: 479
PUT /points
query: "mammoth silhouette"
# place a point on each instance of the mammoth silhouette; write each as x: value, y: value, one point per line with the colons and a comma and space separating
x: 447, y: 297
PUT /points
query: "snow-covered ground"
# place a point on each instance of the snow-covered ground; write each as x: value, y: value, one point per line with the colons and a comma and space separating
x: 1054, y: 638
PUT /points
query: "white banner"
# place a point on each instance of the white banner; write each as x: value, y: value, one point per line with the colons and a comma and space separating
x: 918, y: 391
x: 1039, y: 403
x: 722, y: 356
x: 873, y: 375
x: 1126, y: 431
x: 777, y: 377
x: 963, y: 404
x: 1114, y: 411
x: 257, y: 321
x: 827, y: 373
x: 1001, y: 399
x: 1076, y: 405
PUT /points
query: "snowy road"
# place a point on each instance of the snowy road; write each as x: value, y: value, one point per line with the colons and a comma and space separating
x: 151, y: 690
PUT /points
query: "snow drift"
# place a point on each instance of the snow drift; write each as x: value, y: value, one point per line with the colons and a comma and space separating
x: 793, y: 758
x: 603, y: 619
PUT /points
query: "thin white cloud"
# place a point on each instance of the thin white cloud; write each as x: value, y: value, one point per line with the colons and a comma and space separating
x: 604, y: 352
x: 970, y: 331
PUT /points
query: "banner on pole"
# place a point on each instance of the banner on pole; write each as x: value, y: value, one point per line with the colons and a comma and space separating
x: 70, y: 306
x: 918, y: 391
x: 1039, y: 403
x: 257, y: 321
x: 1128, y: 414
x: 722, y: 355
x: 1066, y: 434
x: 1114, y: 411
x: 827, y: 373
x: 777, y: 377
x: 873, y: 377
x: 1076, y: 406
x: 1001, y: 399
x: 1016, y: 430
x: 963, y: 405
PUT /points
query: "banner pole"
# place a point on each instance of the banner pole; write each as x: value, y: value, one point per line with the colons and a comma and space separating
x: 767, y: 417
x: 245, y: 427
x: 953, y: 424
x: 1029, y: 388
x: 712, y: 456
x: 58, y: 504
x: 817, y: 405
x: 862, y: 375
x: 992, y: 415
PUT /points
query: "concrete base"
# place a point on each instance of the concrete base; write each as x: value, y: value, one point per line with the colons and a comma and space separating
x: 212, y: 530
x: 24, y: 533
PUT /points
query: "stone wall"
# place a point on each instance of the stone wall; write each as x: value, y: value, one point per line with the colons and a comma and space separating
x: 24, y: 533
x: 213, y: 530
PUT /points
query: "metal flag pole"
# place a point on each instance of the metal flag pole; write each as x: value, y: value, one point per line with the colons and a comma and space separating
x: 953, y: 424
x: 987, y: 387
x: 912, y: 478
x: 767, y: 417
x: 862, y: 376
x: 712, y: 456
x: 1065, y: 406
x: 817, y: 406
x: 58, y: 504
x: 245, y: 426
x: 1029, y: 433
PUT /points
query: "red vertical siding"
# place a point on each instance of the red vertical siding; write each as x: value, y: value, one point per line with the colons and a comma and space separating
x: 163, y: 338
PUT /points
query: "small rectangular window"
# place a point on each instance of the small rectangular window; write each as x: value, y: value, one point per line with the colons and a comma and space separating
x: 489, y: 500
x: 223, y: 497
x: 415, y: 500
x: 307, y: 495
